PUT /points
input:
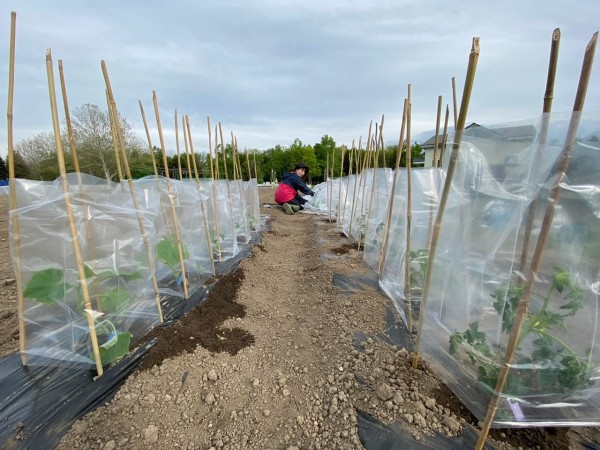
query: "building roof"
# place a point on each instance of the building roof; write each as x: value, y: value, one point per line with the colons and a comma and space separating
x: 516, y: 133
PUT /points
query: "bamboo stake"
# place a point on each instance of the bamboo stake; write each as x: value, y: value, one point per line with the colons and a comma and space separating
x: 239, y: 162
x: 547, y: 107
x: 464, y: 106
x: 440, y: 163
x: 88, y: 228
x: 212, y: 170
x: 367, y: 162
x: 553, y: 199
x: 224, y: 152
x: 386, y: 231
x: 348, y: 185
x: 444, y: 139
x: 375, y: 167
x: 177, y: 146
x: 68, y: 120
x: 356, y: 180
x: 248, y: 164
x: 71, y: 217
x: 381, y: 142
x: 255, y: 171
x: 214, y: 188
x: 115, y: 139
x: 407, y: 257
x: 236, y: 158
x: 327, y: 176
x: 165, y: 216
x: 186, y: 124
x: 140, y: 217
x: 171, y: 196
x: 234, y: 166
x: 13, y: 190
x: 454, y: 101
x: 217, y: 165
x: 150, y: 146
x: 341, y: 184
x: 437, y: 132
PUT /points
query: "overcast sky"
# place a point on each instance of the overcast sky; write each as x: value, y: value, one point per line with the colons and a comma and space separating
x: 272, y: 71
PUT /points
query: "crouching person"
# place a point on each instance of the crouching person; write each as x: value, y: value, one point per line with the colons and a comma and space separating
x: 293, y: 181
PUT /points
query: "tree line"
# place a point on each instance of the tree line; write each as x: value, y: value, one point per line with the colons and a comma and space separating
x: 92, y: 138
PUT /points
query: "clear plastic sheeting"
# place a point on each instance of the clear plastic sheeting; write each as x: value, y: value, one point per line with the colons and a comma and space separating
x: 252, y: 204
x: 173, y: 236
x: 482, y: 264
x: 222, y: 225
x: 325, y: 195
x: 356, y: 208
x: 136, y: 247
x: 426, y: 188
x: 239, y: 211
x: 351, y: 189
x: 193, y: 225
x: 121, y: 302
x: 375, y: 216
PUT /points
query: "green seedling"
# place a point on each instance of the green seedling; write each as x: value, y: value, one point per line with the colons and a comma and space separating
x: 46, y: 286
x: 167, y: 250
x: 49, y: 287
x: 550, y: 365
x: 418, y: 267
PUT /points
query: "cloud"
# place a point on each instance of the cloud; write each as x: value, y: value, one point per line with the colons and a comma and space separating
x: 273, y: 71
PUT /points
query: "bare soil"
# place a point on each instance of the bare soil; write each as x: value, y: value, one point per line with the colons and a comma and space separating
x: 271, y: 360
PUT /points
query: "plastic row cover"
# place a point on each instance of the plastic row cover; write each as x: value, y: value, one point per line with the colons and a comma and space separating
x: 130, y: 255
x: 483, y: 258
x: 482, y: 265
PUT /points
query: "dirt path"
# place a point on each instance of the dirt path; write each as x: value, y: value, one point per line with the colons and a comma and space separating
x: 273, y: 362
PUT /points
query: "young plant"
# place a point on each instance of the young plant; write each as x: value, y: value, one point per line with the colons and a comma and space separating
x: 167, y: 250
x: 251, y: 221
x: 215, y: 240
x: 116, y: 343
x: 49, y: 287
x: 551, y: 365
x: 418, y: 268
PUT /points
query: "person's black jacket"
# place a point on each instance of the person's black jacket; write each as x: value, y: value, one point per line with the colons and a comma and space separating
x: 292, y: 179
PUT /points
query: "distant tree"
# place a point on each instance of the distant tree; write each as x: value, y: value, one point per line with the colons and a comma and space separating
x: 324, y: 150
x: 94, y: 144
x: 38, y: 152
x: 3, y: 170
x: 140, y: 163
x: 391, y: 153
x: 21, y: 167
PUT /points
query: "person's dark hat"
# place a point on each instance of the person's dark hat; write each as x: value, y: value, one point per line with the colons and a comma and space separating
x: 301, y: 166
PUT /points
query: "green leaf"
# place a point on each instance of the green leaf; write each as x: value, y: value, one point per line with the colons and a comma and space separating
x: 543, y: 350
x: 455, y: 340
x: 543, y: 320
x: 116, y: 347
x: 506, y: 304
x: 46, y: 286
x: 561, y: 279
x: 575, y: 301
x: 114, y: 299
x: 167, y: 251
x: 473, y: 335
x: 126, y: 276
x: 89, y: 272
x: 576, y: 372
